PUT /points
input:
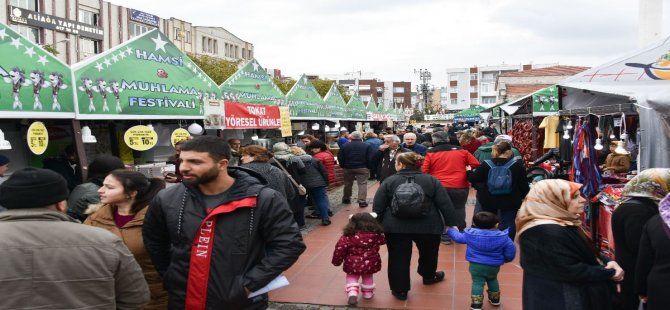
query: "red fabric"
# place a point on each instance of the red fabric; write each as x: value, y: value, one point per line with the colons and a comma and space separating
x: 246, y: 116
x: 122, y: 220
x: 359, y: 252
x: 328, y: 161
x: 449, y: 167
x: 201, y: 254
x: 473, y: 146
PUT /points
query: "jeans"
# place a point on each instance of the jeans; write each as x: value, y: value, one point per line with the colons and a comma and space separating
x: 299, y: 213
x: 507, y: 218
x: 320, y: 198
x: 484, y: 274
x: 361, y: 175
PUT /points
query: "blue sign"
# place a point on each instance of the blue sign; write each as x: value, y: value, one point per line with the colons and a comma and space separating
x: 145, y: 18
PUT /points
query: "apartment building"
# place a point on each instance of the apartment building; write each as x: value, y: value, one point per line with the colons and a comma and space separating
x: 221, y: 43
x: 515, y: 85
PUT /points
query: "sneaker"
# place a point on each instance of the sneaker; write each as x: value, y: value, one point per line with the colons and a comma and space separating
x: 346, y: 201
x: 363, y: 204
x: 330, y: 213
x: 353, y: 299
x: 314, y: 215
x: 494, y: 298
x: 325, y: 222
x: 477, y: 302
x: 439, y: 277
x: 445, y: 239
x: 400, y: 295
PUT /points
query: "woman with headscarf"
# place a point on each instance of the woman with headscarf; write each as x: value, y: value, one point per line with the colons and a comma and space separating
x: 641, y: 196
x: 295, y: 167
x: 86, y: 194
x: 256, y: 158
x: 653, y: 263
x: 562, y: 268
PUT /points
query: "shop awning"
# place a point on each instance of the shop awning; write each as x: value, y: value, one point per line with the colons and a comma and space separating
x: 356, y: 108
x: 35, y: 84
x: 252, y: 84
x: 304, y: 101
x: 336, y: 106
x: 469, y: 115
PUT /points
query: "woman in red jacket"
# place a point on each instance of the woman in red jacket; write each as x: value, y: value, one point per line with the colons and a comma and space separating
x: 321, y: 153
x: 469, y: 142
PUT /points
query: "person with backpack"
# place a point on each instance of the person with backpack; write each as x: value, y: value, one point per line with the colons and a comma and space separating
x: 414, y: 208
x: 501, y: 185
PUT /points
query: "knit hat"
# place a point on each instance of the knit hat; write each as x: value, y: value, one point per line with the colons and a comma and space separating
x: 33, y: 188
x: 4, y: 160
x: 503, y: 138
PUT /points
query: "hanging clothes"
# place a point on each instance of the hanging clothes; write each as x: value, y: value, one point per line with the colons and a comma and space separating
x: 565, y: 145
x: 551, y: 138
x: 584, y: 164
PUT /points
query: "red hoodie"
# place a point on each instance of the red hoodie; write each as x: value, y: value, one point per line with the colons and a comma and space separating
x: 447, y: 163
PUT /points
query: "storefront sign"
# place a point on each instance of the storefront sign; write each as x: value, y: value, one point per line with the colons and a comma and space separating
x: 545, y: 101
x: 439, y: 117
x: 37, y: 19
x: 145, y: 78
x: 144, y: 17
x: 140, y: 138
x: 33, y: 83
x: 38, y: 138
x: 179, y: 134
x: 286, y: 128
x: 250, y: 116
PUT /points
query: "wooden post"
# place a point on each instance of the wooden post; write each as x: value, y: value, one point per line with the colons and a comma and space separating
x: 81, y: 152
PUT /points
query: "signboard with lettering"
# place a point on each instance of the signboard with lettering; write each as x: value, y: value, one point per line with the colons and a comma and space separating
x: 33, y: 83
x: 145, y: 78
x: 285, y: 115
x: 251, y: 84
x: 335, y: 105
x: 144, y: 17
x: 248, y: 116
x: 140, y: 138
x: 37, y: 19
x: 179, y: 134
x: 304, y: 101
x: 38, y: 138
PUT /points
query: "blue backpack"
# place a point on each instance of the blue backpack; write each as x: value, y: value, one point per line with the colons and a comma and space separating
x: 500, y: 178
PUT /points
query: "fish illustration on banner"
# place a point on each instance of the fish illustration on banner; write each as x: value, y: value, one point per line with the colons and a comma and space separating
x: 147, y: 77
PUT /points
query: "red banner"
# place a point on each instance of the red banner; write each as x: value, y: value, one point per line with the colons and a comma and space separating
x: 250, y: 116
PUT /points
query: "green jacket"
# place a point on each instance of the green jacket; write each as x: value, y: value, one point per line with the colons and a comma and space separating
x: 484, y: 152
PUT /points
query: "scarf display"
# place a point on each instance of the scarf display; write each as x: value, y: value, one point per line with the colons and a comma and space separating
x: 547, y: 203
x: 585, y: 162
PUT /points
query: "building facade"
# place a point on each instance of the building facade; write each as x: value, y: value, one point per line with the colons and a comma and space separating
x: 511, y: 86
x: 78, y: 29
x: 219, y: 42
x: 391, y: 94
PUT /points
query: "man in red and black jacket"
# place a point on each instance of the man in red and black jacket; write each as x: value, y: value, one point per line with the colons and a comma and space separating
x: 447, y: 162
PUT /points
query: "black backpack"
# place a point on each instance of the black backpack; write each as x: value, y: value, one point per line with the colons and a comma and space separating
x: 407, y: 201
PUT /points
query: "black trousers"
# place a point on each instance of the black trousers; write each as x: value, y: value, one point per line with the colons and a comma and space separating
x: 400, y: 254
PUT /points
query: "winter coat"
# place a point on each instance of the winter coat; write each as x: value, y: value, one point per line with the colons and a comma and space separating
x: 484, y: 152
x: 328, y: 161
x: 81, y: 197
x: 355, y: 154
x: 131, y: 234
x: 628, y: 221
x: 447, y: 163
x: 485, y: 246
x: 561, y: 271
x: 359, y: 252
x: 342, y: 141
x: 479, y: 178
x: 653, y: 264
x: 295, y: 168
x: 440, y: 211
x: 315, y: 174
x: 375, y: 143
x: 416, y: 148
x: 618, y: 163
x: 253, y: 245
x: 43, y: 251
x: 472, y: 146
x: 276, y: 178
x: 386, y: 165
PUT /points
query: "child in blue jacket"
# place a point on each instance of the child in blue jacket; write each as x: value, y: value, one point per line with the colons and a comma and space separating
x: 488, y: 249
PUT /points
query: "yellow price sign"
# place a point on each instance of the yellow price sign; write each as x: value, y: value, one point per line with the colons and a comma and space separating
x: 38, y: 138
x: 140, y: 138
x: 285, y: 120
x: 178, y: 135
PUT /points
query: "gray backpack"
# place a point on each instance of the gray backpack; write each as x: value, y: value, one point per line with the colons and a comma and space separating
x: 407, y: 201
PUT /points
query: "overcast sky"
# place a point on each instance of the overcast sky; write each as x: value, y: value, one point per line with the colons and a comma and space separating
x: 393, y: 37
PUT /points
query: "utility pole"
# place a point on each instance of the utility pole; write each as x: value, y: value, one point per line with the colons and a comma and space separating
x: 424, y: 76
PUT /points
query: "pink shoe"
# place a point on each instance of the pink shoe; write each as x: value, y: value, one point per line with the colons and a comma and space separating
x: 368, y: 291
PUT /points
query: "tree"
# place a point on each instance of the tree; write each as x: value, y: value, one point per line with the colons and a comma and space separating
x: 218, y: 69
x: 284, y: 85
x: 51, y: 49
x: 322, y: 86
x: 417, y: 116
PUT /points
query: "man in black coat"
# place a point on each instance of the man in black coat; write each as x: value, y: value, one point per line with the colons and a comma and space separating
x: 220, y: 234
x: 354, y: 158
x: 385, y: 157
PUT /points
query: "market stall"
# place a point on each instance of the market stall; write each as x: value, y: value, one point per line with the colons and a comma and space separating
x: 307, y: 109
x: 356, y: 114
x: 470, y: 115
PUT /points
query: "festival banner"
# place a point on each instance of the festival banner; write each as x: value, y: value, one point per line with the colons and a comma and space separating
x: 335, y: 103
x: 252, y: 84
x: 147, y: 77
x: 545, y: 101
x: 356, y: 108
x: 304, y: 101
x: 250, y: 116
x: 34, y: 84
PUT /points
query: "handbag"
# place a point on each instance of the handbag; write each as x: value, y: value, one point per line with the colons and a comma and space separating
x: 302, y: 191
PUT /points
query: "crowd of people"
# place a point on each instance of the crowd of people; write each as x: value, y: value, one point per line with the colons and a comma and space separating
x: 232, y: 221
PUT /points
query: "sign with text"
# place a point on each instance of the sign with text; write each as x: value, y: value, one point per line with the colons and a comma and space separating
x: 304, y: 101
x: 140, y: 138
x: 37, y: 19
x: 179, y: 134
x: 38, y: 138
x: 286, y: 128
x: 545, y: 101
x: 144, y: 17
x: 251, y: 84
x: 238, y: 115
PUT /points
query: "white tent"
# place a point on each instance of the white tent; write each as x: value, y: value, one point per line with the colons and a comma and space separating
x: 641, y: 78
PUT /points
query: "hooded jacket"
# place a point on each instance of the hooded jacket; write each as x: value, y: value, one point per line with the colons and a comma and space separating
x: 315, y: 174
x: 275, y: 177
x: 253, y: 242
x: 51, y: 261
x: 447, y: 163
x: 359, y: 252
x: 484, y: 152
x: 485, y: 246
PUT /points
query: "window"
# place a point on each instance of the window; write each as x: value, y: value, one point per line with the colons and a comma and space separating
x: 177, y: 33
x: 88, y: 17
x: 398, y: 100
x: 243, y: 52
x: 88, y: 47
x: 204, y: 45
x: 138, y: 29
x: 363, y: 87
x: 473, y: 76
x: 473, y: 88
x: 488, y: 100
x: 251, y: 55
x: 215, y: 45
x: 25, y: 4
x: 487, y: 87
x: 454, y: 101
x: 188, y: 37
x: 32, y: 34
x: 474, y: 101
x: 398, y: 90
x: 488, y: 76
x: 453, y: 77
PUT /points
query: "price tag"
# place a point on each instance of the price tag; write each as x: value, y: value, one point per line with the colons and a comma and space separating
x: 38, y: 138
x: 140, y: 138
x: 178, y: 135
